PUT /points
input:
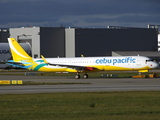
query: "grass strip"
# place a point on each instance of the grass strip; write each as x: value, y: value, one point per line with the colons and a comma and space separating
x: 77, y: 106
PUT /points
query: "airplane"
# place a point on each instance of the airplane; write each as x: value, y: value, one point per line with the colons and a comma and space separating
x: 78, y: 64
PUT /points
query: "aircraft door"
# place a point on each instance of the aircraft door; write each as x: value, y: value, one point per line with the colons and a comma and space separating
x: 138, y: 61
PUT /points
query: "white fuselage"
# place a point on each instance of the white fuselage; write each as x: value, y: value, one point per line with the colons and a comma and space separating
x: 104, y: 63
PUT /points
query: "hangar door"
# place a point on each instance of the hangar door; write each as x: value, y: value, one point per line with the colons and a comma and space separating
x: 25, y: 39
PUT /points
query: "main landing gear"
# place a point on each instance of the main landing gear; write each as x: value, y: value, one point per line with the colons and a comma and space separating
x: 84, y: 76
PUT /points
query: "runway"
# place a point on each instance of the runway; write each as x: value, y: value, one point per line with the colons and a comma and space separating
x: 95, y: 84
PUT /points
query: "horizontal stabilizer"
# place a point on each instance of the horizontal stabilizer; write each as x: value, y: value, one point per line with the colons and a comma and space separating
x: 11, y: 62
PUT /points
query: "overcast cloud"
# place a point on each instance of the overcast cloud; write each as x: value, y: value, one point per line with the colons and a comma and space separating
x: 79, y: 13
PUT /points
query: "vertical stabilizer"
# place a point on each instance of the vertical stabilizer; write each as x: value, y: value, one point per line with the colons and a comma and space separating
x: 20, y: 56
x: 18, y: 53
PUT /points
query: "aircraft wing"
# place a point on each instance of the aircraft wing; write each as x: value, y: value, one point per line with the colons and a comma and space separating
x: 74, y: 66
x: 70, y: 66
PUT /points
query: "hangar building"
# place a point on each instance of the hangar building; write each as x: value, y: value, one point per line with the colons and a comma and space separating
x: 72, y: 42
x: 49, y: 41
x: 101, y: 42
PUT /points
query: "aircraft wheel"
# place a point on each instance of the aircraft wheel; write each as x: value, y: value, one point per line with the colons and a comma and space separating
x: 77, y: 76
x: 85, y: 76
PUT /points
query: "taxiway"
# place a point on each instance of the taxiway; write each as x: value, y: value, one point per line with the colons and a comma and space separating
x: 96, y: 84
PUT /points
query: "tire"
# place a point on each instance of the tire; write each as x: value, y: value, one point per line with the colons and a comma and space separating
x: 77, y: 76
x: 85, y: 76
x: 146, y: 76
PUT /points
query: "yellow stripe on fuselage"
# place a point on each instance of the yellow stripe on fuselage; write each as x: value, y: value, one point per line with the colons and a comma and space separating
x: 46, y: 69
x: 116, y: 68
x: 97, y: 68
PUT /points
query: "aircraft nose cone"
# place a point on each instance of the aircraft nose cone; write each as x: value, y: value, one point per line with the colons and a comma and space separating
x: 154, y: 65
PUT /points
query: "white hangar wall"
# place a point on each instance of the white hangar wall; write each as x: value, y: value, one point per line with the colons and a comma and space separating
x: 30, y: 35
x: 70, y: 42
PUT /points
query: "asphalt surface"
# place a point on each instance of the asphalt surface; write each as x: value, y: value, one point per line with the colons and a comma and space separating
x: 96, y: 84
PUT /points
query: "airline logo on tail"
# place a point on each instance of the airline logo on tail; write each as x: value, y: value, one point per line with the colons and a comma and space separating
x: 17, y: 51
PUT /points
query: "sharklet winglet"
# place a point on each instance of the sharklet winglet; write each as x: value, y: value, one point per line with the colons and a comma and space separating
x: 44, y: 59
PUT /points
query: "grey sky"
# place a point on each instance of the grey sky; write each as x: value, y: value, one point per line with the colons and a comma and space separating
x: 79, y: 13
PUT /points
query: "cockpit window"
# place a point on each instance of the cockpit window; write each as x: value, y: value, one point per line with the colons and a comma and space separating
x: 149, y: 60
